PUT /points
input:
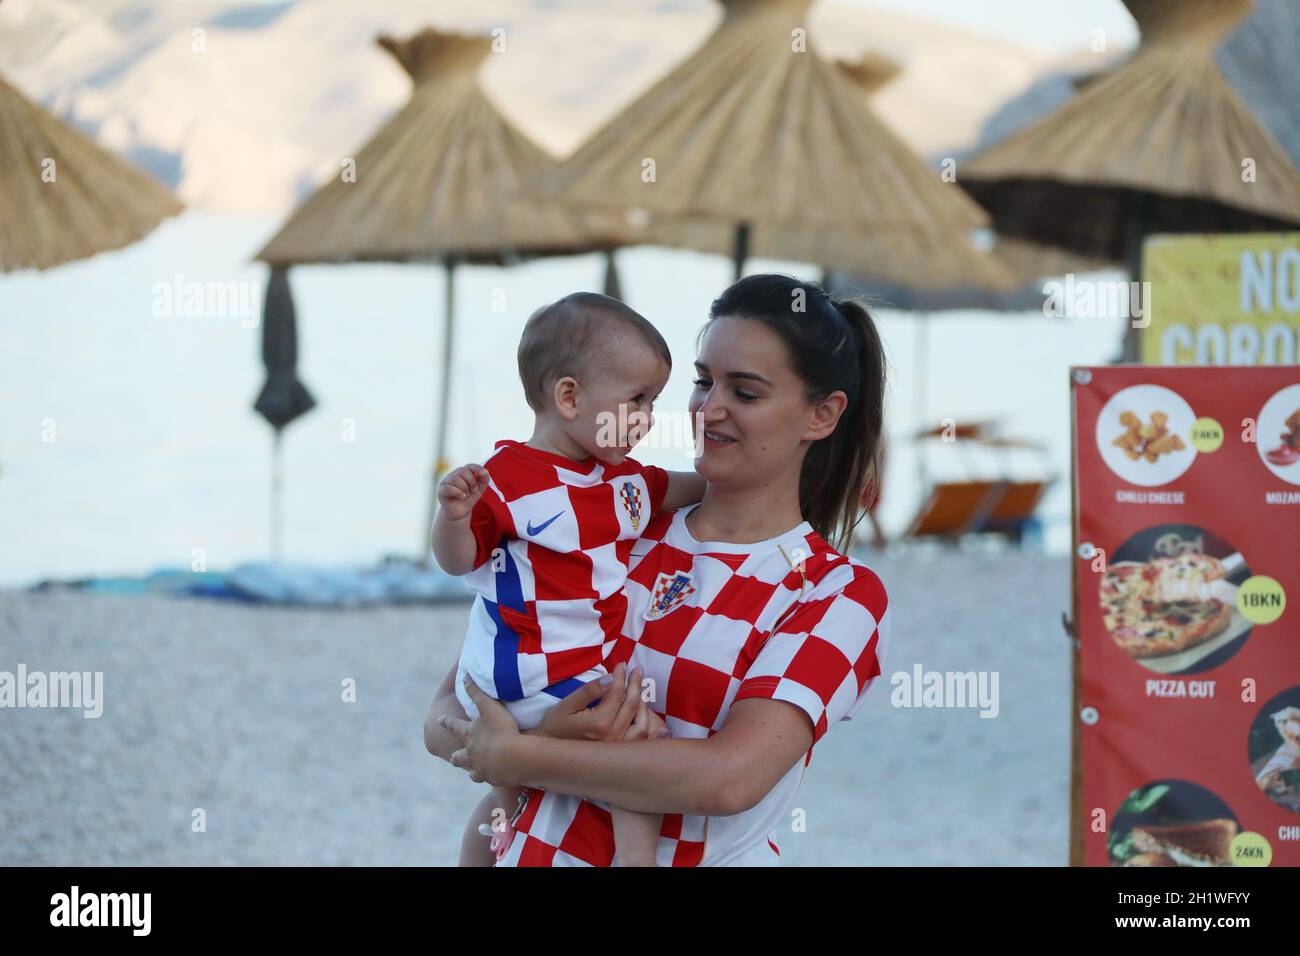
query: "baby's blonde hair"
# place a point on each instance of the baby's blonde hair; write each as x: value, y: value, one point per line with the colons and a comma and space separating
x: 573, y: 337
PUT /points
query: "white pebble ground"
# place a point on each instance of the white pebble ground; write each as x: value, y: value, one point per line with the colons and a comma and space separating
x: 237, y: 710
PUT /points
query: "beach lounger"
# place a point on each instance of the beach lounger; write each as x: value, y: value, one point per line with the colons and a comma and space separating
x: 1015, y: 509
x: 955, y: 508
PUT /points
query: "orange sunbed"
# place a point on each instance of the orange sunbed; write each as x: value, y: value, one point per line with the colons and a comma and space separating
x: 1018, y: 503
x: 956, y: 507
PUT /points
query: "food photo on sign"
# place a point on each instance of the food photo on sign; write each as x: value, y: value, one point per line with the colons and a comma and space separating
x: 1172, y: 823
x: 1274, y: 749
x: 1169, y: 596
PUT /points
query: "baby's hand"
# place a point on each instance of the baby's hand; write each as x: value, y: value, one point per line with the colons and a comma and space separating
x: 647, y: 725
x: 461, y: 490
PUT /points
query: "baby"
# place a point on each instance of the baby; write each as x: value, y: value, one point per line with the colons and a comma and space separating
x: 543, y: 529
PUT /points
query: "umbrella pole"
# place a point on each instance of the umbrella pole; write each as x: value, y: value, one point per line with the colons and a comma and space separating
x: 740, y: 251
x: 277, y: 496
x: 1130, y: 348
x: 920, y: 393
x: 613, y: 288
x: 440, y: 443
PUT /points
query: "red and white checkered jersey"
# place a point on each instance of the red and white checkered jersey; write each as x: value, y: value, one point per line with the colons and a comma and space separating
x: 712, y: 623
x: 553, y: 541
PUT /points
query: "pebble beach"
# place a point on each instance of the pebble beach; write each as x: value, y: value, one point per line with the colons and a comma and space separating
x: 226, y: 738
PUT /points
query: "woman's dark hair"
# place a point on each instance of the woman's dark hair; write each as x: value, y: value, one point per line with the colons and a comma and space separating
x: 833, y: 346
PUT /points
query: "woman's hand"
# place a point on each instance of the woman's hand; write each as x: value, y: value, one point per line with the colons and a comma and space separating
x: 612, y: 719
x: 620, y: 715
x: 484, y: 740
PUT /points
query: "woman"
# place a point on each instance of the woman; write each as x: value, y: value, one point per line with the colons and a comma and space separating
x: 751, y: 634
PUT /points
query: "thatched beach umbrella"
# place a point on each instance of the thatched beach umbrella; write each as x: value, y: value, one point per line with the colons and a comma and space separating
x: 62, y: 197
x: 1025, y: 263
x: 440, y: 181
x: 1160, y: 144
x: 758, y: 145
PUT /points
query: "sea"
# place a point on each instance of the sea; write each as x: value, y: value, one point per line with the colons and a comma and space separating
x: 128, y: 439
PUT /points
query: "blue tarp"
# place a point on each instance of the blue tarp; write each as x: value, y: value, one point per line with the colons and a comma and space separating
x: 395, y: 581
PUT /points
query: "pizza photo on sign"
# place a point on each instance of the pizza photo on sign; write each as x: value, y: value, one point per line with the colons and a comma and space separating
x: 1169, y: 599
x: 1144, y: 435
x: 1274, y: 749
x: 1172, y: 823
x: 1278, y: 434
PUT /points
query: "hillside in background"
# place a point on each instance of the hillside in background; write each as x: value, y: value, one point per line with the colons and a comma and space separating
x: 282, y: 91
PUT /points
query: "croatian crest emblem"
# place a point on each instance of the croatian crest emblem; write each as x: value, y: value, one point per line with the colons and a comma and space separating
x: 670, y: 592
x: 630, y: 495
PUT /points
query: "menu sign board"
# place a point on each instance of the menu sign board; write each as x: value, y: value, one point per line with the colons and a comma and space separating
x: 1186, y: 552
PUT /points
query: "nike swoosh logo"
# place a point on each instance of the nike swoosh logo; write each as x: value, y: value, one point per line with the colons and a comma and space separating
x: 542, y: 527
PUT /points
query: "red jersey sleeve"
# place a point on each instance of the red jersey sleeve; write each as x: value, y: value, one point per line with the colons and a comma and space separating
x: 489, y: 522
x: 825, y: 654
x: 656, y: 480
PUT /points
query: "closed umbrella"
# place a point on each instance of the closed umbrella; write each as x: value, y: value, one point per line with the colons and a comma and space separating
x: 440, y: 182
x: 283, y: 397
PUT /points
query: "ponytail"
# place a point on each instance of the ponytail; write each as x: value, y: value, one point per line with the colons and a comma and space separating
x: 864, y: 449
x: 833, y: 346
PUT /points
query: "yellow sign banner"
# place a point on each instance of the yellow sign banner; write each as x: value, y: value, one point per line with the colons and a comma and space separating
x: 1222, y: 300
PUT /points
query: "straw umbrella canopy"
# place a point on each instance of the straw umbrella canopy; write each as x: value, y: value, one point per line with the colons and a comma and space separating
x: 1024, y: 262
x: 757, y: 144
x: 62, y: 197
x: 1156, y: 145
x: 440, y: 181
